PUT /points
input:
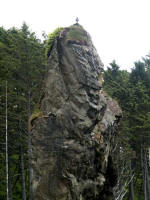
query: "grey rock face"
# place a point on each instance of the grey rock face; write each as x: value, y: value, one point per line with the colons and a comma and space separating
x: 71, y: 139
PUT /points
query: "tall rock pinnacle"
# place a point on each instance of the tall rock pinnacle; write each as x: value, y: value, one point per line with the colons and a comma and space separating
x: 72, y: 133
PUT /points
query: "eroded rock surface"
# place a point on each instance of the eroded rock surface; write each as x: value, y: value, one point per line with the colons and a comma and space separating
x: 71, y: 140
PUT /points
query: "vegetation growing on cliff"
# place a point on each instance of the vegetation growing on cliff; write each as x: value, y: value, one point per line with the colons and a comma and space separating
x: 34, y: 116
x: 76, y: 33
x: 51, y: 38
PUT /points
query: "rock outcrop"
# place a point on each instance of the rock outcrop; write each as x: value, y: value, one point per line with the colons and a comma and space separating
x: 72, y: 135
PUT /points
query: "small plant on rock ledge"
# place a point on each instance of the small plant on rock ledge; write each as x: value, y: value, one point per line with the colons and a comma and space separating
x: 51, y: 38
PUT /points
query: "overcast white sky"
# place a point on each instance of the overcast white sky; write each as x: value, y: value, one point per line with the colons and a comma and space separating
x: 120, y: 29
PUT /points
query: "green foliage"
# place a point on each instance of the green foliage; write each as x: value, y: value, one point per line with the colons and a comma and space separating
x: 34, y: 116
x: 132, y: 91
x: 116, y: 84
x: 22, y: 64
x: 51, y: 38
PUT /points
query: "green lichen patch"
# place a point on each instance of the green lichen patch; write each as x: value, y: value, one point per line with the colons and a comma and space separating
x: 77, y: 33
x: 50, y: 40
x: 35, y: 116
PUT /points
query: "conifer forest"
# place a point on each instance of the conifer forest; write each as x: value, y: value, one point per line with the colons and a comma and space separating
x: 23, y: 60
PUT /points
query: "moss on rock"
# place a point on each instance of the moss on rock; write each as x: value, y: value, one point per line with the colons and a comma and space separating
x: 76, y: 33
x: 35, y: 116
x: 51, y: 38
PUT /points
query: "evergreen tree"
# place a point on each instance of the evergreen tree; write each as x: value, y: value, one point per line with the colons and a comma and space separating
x: 132, y: 92
x: 22, y: 64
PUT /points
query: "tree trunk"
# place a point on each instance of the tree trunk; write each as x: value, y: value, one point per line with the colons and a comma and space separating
x: 146, y: 184
x: 131, y: 183
x: 149, y: 156
x: 22, y: 174
x: 22, y: 166
x: 29, y: 139
x: 143, y: 173
x: 147, y: 177
x: 8, y: 183
x: 7, y: 176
